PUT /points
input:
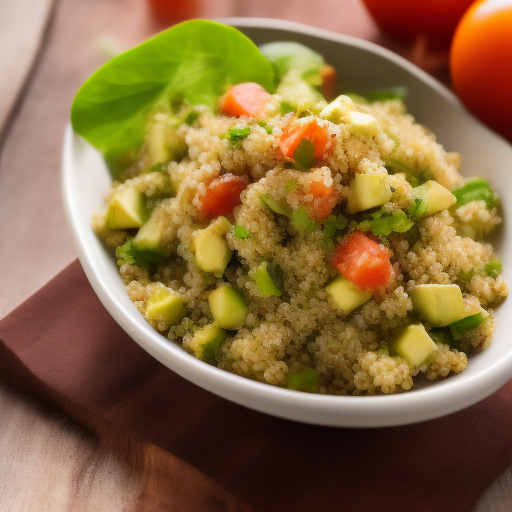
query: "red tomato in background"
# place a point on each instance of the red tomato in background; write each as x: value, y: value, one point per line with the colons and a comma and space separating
x: 168, y: 12
x: 481, y: 63
x: 408, y: 20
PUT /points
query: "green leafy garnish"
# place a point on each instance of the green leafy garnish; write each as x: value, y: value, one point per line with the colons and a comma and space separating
x: 460, y: 327
x: 417, y: 208
x: 477, y: 189
x: 301, y: 221
x: 306, y: 380
x: 279, y: 207
x: 334, y: 224
x: 465, y: 277
x: 286, y: 108
x: 236, y: 135
x: 304, y: 154
x: 128, y: 253
x: 194, y: 62
x: 443, y: 335
x: 384, y: 223
x: 241, y: 232
x: 493, y: 269
x: 392, y: 93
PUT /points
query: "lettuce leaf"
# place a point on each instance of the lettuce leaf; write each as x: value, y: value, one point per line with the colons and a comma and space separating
x: 194, y: 61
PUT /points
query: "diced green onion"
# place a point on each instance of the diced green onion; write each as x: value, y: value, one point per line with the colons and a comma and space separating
x: 306, y: 380
x: 460, y: 327
x: 417, y: 208
x: 304, y: 154
x: 477, y: 189
x: 443, y: 336
x: 465, y: 277
x: 268, y: 128
x: 241, y: 232
x: 493, y: 269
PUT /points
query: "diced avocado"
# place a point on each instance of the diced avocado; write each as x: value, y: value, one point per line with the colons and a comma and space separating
x: 127, y: 209
x: 162, y: 143
x: 360, y: 123
x: 338, y: 109
x: 228, y: 307
x: 438, y: 304
x: 367, y: 191
x: 207, y: 341
x: 149, y: 236
x: 165, y: 307
x: 264, y: 281
x: 346, y: 295
x: 306, y: 380
x: 212, y: 250
x: 415, y: 346
x: 438, y: 198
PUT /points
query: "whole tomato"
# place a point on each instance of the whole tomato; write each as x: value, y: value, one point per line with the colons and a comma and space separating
x: 409, y: 20
x: 481, y: 63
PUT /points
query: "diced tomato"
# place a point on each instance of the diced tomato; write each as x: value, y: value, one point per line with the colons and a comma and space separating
x: 363, y: 261
x: 328, y: 75
x: 246, y: 99
x: 324, y: 200
x: 299, y: 130
x: 222, y: 195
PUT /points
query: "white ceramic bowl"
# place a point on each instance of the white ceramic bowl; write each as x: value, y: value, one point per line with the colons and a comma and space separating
x: 362, y: 66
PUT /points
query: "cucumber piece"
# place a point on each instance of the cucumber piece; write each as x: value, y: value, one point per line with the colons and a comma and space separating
x: 437, y: 197
x: 228, y: 308
x: 337, y: 110
x: 263, y: 279
x: 415, y: 346
x: 207, y: 341
x: 346, y: 295
x: 368, y: 191
x: 438, y: 304
x: 165, y: 306
x: 360, y: 123
x: 126, y: 210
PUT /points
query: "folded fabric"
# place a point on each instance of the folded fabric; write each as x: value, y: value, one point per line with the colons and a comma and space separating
x: 63, y: 346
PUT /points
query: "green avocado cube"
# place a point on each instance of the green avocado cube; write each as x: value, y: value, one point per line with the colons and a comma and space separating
x: 165, y: 308
x: 228, y: 308
x: 149, y: 236
x: 264, y: 281
x: 360, y: 123
x: 338, y: 109
x: 207, y: 341
x: 437, y: 197
x: 438, y: 304
x: 212, y: 249
x: 415, y: 346
x: 126, y: 210
x: 367, y: 191
x: 345, y: 295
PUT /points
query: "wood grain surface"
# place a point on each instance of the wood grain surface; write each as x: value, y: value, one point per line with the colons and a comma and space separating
x: 48, y: 463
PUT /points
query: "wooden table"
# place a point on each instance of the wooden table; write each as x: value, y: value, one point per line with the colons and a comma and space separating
x: 48, y: 463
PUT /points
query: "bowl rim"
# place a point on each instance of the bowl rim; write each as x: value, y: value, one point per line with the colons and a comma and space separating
x: 449, y: 396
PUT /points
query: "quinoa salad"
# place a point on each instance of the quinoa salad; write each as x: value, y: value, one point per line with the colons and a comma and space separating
x: 312, y: 241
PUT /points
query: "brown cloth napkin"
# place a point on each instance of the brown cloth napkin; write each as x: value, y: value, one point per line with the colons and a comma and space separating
x: 63, y: 346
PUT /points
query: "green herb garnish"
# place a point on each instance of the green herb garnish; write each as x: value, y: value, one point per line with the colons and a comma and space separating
x: 111, y: 108
x: 128, y: 253
x: 279, y: 207
x: 241, y: 232
x: 384, y: 224
x: 493, y: 269
x: 286, y: 108
x: 465, y: 277
x: 304, y: 154
x: 417, y: 208
x: 236, y: 135
x: 291, y: 186
x: 301, y: 221
x: 477, y: 189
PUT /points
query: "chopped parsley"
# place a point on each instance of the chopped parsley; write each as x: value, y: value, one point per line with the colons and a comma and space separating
x: 286, y: 108
x: 128, y: 253
x: 236, y: 135
x: 417, y: 208
x: 383, y: 224
x: 477, y: 189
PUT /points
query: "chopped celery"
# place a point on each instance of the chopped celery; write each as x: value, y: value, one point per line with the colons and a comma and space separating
x: 306, y: 380
x: 477, y: 189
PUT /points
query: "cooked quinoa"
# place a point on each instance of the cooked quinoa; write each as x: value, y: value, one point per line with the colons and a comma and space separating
x: 299, y: 336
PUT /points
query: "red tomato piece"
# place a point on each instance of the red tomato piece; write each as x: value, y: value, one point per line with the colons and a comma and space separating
x: 310, y: 130
x: 246, y: 99
x: 222, y: 195
x: 324, y: 200
x: 328, y: 76
x: 363, y: 261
